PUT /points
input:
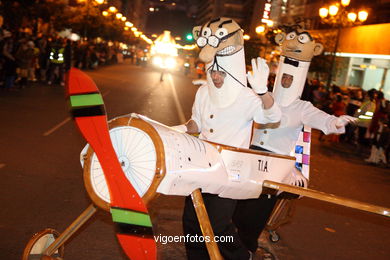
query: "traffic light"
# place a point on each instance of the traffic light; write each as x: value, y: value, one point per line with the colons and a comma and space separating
x: 189, y: 37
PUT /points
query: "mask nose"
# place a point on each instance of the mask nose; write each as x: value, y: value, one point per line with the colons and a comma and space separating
x: 207, y: 54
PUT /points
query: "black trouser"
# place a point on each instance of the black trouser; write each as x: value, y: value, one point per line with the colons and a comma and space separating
x: 220, y: 211
x: 251, y: 216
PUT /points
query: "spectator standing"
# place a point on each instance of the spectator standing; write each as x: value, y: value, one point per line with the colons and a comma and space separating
x: 43, y: 57
x: 68, y: 55
x: 377, y: 129
x: 355, y: 101
x: 56, y: 63
x: 365, y: 114
x: 24, y: 59
x: 34, y: 61
x: 338, y: 109
x: 8, y: 52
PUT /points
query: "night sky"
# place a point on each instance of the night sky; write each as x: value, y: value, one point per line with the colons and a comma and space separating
x: 179, y: 19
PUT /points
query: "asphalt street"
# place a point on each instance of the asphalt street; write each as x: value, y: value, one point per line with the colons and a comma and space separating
x: 42, y: 186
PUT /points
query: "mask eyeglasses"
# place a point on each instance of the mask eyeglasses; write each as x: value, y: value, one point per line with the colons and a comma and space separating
x: 213, y: 40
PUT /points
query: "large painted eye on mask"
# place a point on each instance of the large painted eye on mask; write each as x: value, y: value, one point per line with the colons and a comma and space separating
x: 291, y: 36
x: 206, y: 32
x: 213, y: 41
x: 303, y: 38
x: 221, y: 32
x: 201, y: 42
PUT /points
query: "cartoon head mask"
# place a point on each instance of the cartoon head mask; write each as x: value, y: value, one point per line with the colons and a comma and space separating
x: 221, y: 46
x: 297, y: 50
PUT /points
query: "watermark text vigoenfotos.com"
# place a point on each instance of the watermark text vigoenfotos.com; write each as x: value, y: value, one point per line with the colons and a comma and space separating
x: 192, y: 239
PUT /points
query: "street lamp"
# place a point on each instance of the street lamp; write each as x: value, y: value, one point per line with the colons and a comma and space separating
x: 246, y: 37
x: 337, y: 16
x: 260, y: 29
x: 112, y: 9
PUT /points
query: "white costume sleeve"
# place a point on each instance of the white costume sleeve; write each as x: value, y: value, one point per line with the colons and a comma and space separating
x: 316, y: 118
x: 272, y: 114
x: 264, y: 116
x: 181, y: 128
x: 196, y: 108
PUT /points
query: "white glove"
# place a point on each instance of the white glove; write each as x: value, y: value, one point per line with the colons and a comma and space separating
x: 259, y: 76
x: 199, y: 82
x: 344, y: 120
x: 298, y: 179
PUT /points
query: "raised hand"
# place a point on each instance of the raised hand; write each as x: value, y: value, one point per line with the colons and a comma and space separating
x: 259, y: 76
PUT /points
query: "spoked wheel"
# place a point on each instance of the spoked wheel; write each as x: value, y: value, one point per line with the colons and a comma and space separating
x: 139, y: 153
x: 38, y: 244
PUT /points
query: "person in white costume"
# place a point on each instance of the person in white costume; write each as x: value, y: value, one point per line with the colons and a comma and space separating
x: 224, y: 111
x: 297, y: 50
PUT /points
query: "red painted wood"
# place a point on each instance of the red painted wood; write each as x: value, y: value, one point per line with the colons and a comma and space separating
x: 80, y: 83
x: 138, y: 248
x: 122, y: 193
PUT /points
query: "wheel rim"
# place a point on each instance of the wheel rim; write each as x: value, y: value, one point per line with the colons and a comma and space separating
x: 39, y: 242
x: 136, y: 154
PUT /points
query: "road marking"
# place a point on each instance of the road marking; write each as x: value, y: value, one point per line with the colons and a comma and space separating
x: 179, y: 108
x: 2, y: 165
x: 66, y: 120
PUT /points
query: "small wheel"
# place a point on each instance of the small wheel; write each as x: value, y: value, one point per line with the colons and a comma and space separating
x: 38, y: 244
x: 273, y: 236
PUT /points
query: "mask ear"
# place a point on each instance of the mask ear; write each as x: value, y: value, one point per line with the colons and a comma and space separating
x: 196, y: 32
x: 279, y: 38
x: 318, y: 48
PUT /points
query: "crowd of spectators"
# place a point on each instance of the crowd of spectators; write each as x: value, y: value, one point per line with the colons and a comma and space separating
x: 26, y: 58
x: 370, y: 107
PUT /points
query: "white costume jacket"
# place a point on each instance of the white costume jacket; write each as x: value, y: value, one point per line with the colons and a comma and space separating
x: 282, y: 139
x: 231, y: 125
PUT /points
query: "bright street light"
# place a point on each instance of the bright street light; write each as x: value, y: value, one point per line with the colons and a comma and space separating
x: 333, y: 9
x: 362, y: 15
x: 323, y: 12
x: 352, y: 17
x: 260, y: 29
x: 112, y: 9
x: 338, y: 16
x: 345, y: 2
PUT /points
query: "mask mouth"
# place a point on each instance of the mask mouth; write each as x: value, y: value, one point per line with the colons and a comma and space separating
x: 229, y: 50
x: 294, y: 50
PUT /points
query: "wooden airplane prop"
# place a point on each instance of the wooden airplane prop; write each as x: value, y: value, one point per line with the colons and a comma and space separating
x: 147, y: 158
x: 128, y: 210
